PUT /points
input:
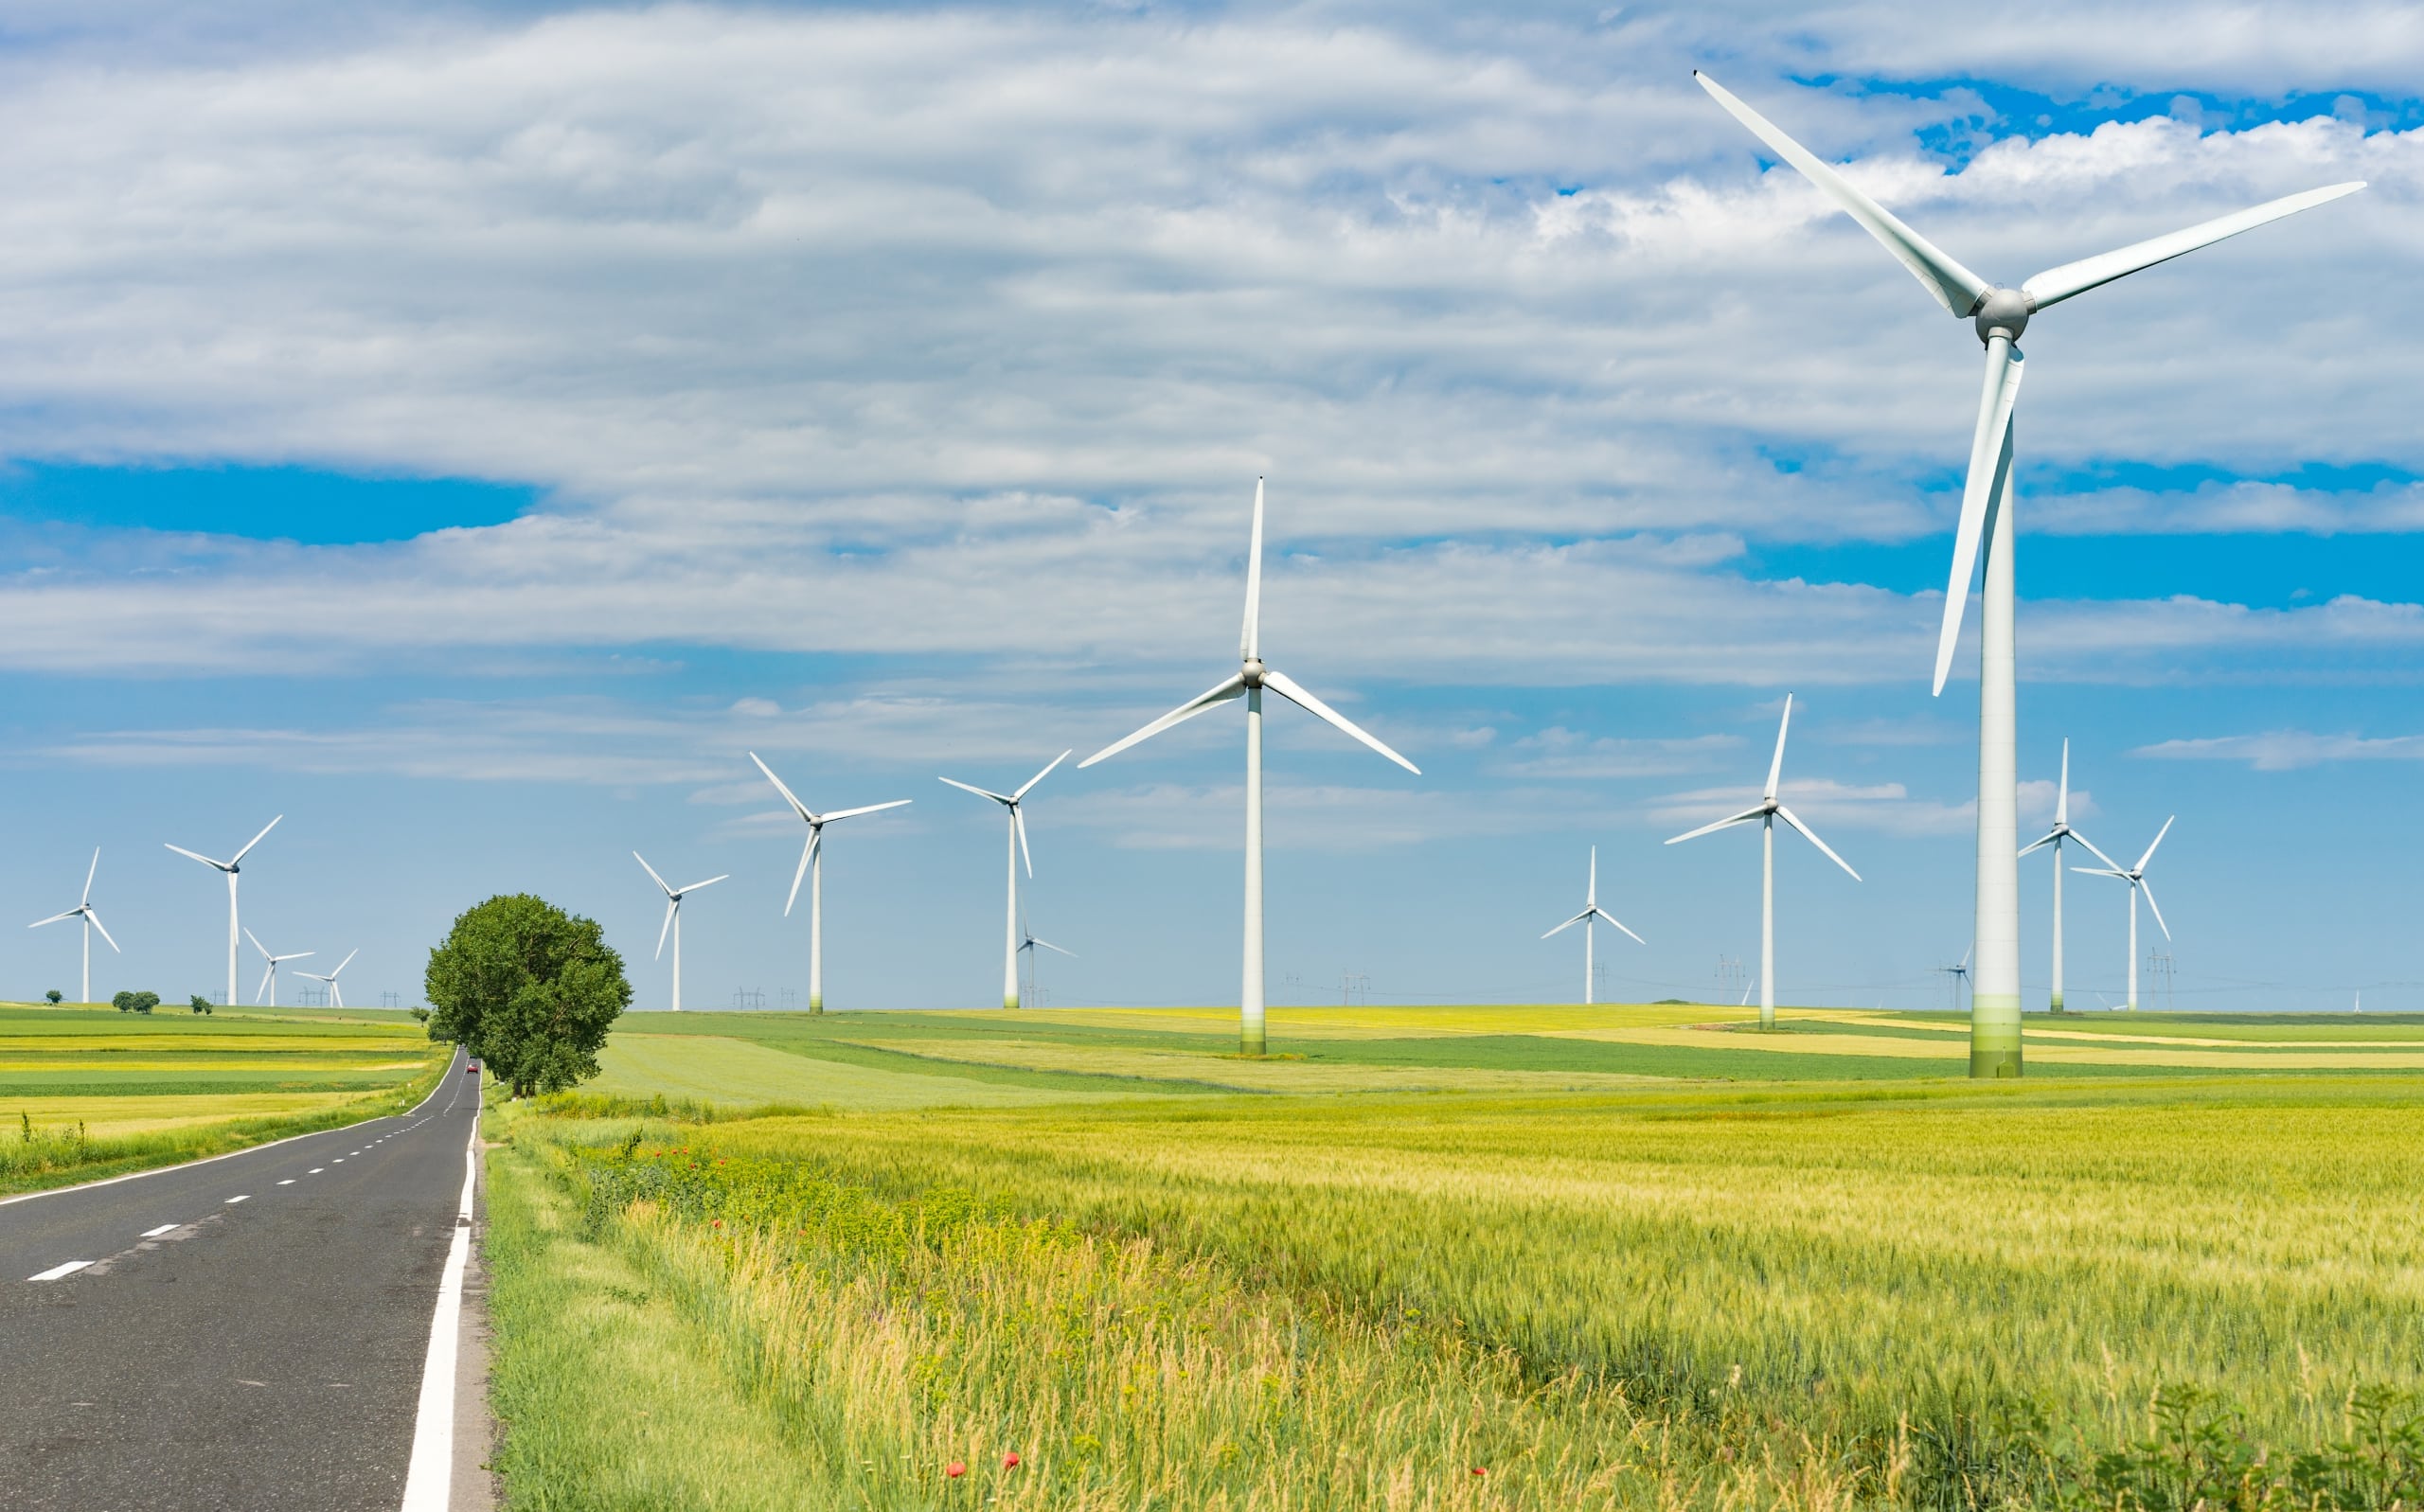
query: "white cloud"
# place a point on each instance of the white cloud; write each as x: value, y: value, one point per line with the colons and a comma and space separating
x: 2288, y: 749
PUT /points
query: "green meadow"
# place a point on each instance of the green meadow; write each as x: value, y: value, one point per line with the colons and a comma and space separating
x: 1464, y: 1257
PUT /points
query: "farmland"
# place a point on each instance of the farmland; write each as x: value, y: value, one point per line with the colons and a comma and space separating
x: 91, y: 1091
x: 1504, y: 1258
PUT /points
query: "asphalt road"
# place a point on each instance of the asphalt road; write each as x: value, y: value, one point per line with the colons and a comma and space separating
x: 245, y: 1334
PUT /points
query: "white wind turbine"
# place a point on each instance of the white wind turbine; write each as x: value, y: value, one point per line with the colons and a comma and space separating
x: 1768, y: 812
x: 231, y: 866
x: 84, y: 910
x: 2136, y: 878
x: 1999, y: 315
x: 1028, y: 945
x: 1248, y: 683
x: 812, y: 865
x: 266, y: 994
x: 1010, y: 946
x: 337, y: 993
x: 1591, y: 912
x: 2055, y: 837
x: 673, y: 896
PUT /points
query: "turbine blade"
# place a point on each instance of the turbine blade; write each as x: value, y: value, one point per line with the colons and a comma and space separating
x: 1743, y: 818
x: 104, y: 929
x: 805, y: 853
x: 238, y: 859
x: 1232, y: 686
x: 1569, y: 923
x: 89, y: 873
x: 1612, y: 918
x: 1018, y: 822
x: 261, y: 994
x: 1029, y: 785
x: 2150, y: 906
x: 58, y: 919
x: 1990, y: 461
x: 2055, y: 285
x: 2150, y: 845
x: 2100, y: 871
x: 672, y: 906
x: 1250, y: 638
x: 1288, y: 687
x: 982, y: 792
x: 2092, y: 851
x: 1591, y: 893
x: 1965, y: 956
x: 1954, y: 287
x: 257, y: 942
x: 1807, y: 833
x: 2048, y: 838
x: 2062, y: 792
x: 1049, y: 946
x: 872, y: 808
x: 348, y: 961
x: 799, y: 807
x: 198, y: 856
x: 651, y: 872
x: 709, y: 882
x: 1775, y: 767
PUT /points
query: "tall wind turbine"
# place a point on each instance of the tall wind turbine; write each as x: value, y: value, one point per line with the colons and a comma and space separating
x: 673, y: 896
x: 231, y: 866
x: 1591, y: 912
x: 1999, y: 315
x: 1028, y: 945
x: 1248, y: 683
x: 84, y: 910
x: 2055, y: 837
x: 2136, y: 878
x: 337, y: 993
x: 266, y: 994
x: 1010, y: 801
x: 812, y: 865
x: 1767, y: 813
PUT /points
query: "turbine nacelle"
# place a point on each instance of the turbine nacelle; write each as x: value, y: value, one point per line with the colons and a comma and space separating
x: 2003, y: 313
x: 1252, y: 672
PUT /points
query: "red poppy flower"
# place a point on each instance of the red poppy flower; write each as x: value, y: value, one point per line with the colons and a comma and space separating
x: 954, y: 1469
x: 1010, y: 1461
x: 1478, y: 1470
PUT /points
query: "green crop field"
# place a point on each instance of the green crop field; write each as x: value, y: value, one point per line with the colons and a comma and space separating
x: 1470, y: 1257
x: 89, y: 1091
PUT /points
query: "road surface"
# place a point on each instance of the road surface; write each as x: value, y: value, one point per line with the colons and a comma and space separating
x: 242, y: 1334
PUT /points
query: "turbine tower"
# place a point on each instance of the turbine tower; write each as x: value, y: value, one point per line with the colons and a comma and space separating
x: 84, y: 910
x: 1769, y: 811
x: 337, y: 993
x: 673, y: 896
x: 2055, y: 837
x: 1248, y: 681
x: 1999, y: 315
x: 2136, y: 878
x: 1010, y: 946
x: 1591, y: 912
x: 231, y: 866
x: 812, y: 865
x: 266, y: 994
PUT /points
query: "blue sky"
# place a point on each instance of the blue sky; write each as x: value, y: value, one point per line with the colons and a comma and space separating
x: 472, y: 430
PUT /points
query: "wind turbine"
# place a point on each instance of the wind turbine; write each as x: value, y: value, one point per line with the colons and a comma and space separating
x: 1029, y: 944
x: 329, y: 981
x: 673, y: 896
x: 1768, y: 812
x: 84, y: 910
x: 1960, y: 975
x: 811, y: 860
x: 1010, y: 946
x: 2055, y: 837
x: 1591, y: 912
x: 1248, y: 683
x: 267, y: 993
x: 231, y: 866
x: 1999, y: 315
x: 2136, y: 878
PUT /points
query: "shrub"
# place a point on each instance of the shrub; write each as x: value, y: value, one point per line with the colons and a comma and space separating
x: 54, y: 996
x: 200, y: 1004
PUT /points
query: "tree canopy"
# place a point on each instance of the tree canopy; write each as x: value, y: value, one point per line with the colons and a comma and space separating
x: 528, y: 989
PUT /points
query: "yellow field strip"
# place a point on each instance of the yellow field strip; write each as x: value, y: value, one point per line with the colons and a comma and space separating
x: 149, y: 1114
x: 1259, y: 1076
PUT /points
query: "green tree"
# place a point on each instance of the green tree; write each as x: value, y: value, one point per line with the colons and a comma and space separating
x: 528, y: 989
x: 54, y: 995
x: 200, y: 1004
x: 135, y: 1002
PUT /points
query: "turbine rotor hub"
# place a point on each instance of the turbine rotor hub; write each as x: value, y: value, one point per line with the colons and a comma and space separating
x: 1252, y: 672
x: 2002, y: 309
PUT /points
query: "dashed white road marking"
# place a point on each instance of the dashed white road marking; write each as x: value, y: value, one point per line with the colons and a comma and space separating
x: 58, y: 1270
x: 339, y: 1161
x: 233, y: 1201
x: 153, y: 1234
x: 288, y: 1181
x: 315, y: 1170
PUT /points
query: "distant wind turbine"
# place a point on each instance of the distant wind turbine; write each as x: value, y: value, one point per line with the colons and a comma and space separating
x: 2055, y: 837
x: 336, y: 995
x: 2136, y: 878
x: 673, y: 896
x: 266, y: 994
x: 1248, y: 681
x: 1998, y: 315
x: 84, y: 910
x: 1010, y: 801
x: 1591, y: 912
x: 1767, y: 813
x: 811, y: 865
x: 231, y: 866
x: 1028, y: 945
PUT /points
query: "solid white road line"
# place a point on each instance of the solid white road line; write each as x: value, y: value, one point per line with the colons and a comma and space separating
x: 153, y: 1234
x: 432, y: 1472
x: 58, y: 1270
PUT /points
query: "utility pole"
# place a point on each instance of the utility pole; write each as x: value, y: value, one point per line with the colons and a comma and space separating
x: 1350, y: 983
x: 2159, y: 965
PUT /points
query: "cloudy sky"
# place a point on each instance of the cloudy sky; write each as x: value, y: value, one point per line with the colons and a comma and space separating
x: 470, y: 429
